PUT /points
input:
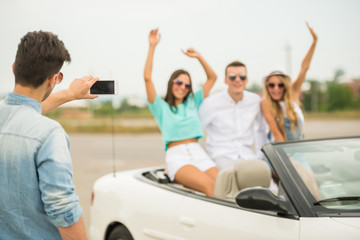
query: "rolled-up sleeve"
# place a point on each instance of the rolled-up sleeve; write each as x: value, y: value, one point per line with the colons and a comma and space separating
x: 54, y: 168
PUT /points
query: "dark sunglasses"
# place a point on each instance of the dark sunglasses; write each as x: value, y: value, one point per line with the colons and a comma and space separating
x: 272, y: 85
x: 179, y: 83
x: 233, y: 77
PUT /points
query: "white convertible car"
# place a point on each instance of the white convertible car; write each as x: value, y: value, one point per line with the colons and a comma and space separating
x: 143, y: 204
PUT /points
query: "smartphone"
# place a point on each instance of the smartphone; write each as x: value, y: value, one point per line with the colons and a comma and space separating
x: 104, y: 87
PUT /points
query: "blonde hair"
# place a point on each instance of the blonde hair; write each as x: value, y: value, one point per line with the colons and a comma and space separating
x: 288, y: 100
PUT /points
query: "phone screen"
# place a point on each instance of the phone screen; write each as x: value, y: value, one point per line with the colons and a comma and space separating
x: 103, y: 87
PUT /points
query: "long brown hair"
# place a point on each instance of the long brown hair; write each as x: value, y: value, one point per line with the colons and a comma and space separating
x: 169, y: 97
x: 288, y: 100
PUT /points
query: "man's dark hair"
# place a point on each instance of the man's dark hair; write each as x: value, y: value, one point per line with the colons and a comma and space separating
x: 235, y: 64
x: 39, y: 55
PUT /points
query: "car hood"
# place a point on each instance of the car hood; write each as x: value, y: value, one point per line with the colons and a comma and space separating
x: 353, y: 222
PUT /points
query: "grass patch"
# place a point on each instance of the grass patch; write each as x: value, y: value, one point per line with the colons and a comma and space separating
x: 143, y: 122
x: 108, y: 129
x: 128, y: 124
x: 338, y: 115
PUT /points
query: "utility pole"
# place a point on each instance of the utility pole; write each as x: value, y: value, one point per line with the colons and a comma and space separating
x: 314, y: 96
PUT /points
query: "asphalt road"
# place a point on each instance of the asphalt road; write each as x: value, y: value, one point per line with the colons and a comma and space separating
x: 92, y: 154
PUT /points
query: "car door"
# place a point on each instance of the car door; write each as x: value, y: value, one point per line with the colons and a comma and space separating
x: 200, y: 219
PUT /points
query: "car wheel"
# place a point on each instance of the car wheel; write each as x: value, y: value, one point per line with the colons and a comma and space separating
x: 120, y: 233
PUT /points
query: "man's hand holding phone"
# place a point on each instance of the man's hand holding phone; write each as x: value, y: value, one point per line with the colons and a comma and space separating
x: 79, y: 88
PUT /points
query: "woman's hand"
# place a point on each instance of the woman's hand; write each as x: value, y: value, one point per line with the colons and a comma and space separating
x: 191, y: 53
x: 154, y: 37
x: 312, y: 32
x: 210, y: 74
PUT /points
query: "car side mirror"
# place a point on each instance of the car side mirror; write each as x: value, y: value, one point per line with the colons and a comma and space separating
x: 261, y: 199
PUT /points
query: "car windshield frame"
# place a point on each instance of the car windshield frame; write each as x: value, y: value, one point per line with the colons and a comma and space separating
x: 297, y: 191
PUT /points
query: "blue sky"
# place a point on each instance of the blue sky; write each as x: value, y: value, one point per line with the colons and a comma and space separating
x: 108, y: 38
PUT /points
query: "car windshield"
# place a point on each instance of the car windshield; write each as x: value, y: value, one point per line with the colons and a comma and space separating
x: 330, y: 169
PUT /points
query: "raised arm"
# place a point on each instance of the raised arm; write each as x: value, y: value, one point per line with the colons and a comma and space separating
x: 78, y: 89
x: 154, y: 38
x: 296, y: 86
x: 210, y: 74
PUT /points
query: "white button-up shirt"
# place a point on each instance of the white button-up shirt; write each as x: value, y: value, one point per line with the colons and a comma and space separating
x: 234, y: 130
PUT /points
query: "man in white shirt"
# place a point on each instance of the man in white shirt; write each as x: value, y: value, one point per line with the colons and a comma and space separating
x: 235, y: 127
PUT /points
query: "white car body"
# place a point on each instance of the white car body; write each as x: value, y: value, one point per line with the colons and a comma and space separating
x: 153, y: 210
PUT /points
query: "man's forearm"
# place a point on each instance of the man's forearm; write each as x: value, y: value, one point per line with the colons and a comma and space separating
x: 54, y: 100
x: 74, y: 232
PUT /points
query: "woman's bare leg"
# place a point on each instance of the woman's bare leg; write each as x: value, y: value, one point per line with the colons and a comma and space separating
x: 193, y: 178
x: 212, y: 172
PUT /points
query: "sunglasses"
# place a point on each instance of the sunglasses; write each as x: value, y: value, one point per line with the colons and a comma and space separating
x: 180, y: 83
x: 60, y: 77
x: 233, y: 77
x: 272, y: 85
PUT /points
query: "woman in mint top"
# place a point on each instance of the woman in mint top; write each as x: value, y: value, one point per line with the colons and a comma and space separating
x: 178, y: 120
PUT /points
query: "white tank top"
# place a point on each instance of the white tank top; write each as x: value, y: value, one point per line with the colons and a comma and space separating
x: 296, y: 108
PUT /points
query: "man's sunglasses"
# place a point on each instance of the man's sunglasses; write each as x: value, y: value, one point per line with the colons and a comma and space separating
x: 233, y: 77
x: 179, y: 83
x: 272, y: 85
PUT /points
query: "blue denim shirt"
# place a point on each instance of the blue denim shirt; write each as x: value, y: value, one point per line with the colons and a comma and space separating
x: 36, y: 190
x: 298, y: 135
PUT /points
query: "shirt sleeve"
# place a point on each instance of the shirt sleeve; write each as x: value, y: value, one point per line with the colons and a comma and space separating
x: 199, y: 97
x: 206, y: 111
x: 156, y: 107
x: 54, y: 167
x: 260, y: 134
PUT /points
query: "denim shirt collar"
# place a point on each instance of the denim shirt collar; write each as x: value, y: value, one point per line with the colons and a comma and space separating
x: 17, y: 99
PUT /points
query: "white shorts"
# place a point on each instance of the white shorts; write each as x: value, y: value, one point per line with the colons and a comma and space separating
x: 187, y: 154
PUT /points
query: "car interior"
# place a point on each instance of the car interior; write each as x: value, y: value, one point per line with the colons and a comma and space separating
x: 249, y: 174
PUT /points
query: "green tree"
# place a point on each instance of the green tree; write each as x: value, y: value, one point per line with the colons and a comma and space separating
x: 105, y: 108
x: 339, y: 97
x: 128, y: 110
x: 125, y: 106
x: 255, y: 88
x: 313, y: 98
x: 338, y: 73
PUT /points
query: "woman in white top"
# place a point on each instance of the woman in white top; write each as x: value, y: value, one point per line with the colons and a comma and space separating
x: 280, y: 106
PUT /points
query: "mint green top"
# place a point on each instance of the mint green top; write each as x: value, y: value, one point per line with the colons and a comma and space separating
x: 182, y: 124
